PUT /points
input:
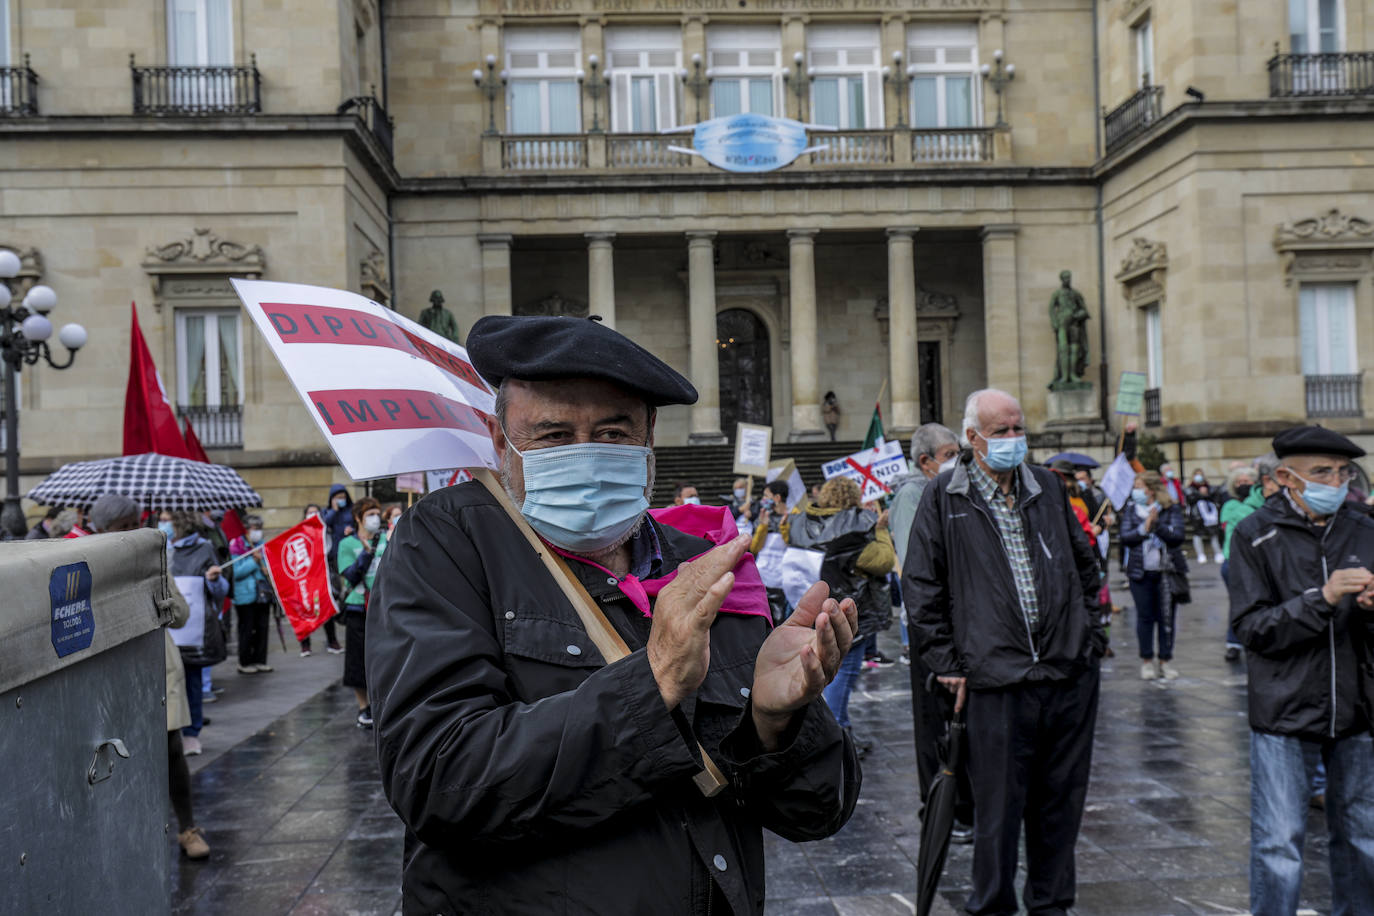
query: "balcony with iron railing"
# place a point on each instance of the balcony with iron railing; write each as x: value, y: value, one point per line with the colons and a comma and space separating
x: 1132, y: 117
x: 369, y: 110
x: 1347, y: 73
x: 1334, y: 395
x: 18, y: 91
x: 1152, y: 410
x: 215, y: 426
x: 197, y: 91
x: 899, y: 147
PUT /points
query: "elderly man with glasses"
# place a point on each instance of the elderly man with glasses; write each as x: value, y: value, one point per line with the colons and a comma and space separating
x: 1302, y: 605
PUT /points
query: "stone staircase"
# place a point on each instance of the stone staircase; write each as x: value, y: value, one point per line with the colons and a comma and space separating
x: 709, y: 467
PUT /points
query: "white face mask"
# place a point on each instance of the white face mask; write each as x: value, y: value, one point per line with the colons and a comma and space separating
x: 372, y: 523
x: 950, y: 465
x: 255, y: 535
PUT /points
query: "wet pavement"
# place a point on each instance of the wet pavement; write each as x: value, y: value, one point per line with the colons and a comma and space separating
x: 297, y: 823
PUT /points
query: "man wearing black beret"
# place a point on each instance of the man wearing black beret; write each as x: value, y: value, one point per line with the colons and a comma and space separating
x: 531, y: 776
x: 1302, y: 604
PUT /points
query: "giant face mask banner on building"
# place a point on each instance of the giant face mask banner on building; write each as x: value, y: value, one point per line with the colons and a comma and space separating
x: 389, y: 395
x: 749, y: 142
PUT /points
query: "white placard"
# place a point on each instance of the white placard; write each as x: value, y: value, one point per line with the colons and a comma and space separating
x: 437, y: 480
x: 753, y: 446
x: 872, y: 469
x: 389, y: 395
x: 787, y: 470
x: 1118, y: 481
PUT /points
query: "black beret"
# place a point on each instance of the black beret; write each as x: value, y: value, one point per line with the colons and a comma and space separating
x: 1314, y: 440
x: 537, y: 348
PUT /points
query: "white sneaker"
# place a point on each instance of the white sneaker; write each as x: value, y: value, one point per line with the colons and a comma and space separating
x: 1167, y: 671
x: 1202, y: 559
x: 1218, y: 559
x: 305, y: 653
x: 190, y: 747
x: 1147, y: 671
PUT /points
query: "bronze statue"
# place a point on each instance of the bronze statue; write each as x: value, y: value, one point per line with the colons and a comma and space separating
x: 1069, y: 319
x: 439, y: 319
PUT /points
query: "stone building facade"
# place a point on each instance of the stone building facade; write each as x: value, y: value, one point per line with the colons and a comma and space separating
x: 1201, y: 166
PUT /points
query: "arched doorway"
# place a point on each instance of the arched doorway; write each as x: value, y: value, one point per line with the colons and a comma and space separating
x: 746, y: 388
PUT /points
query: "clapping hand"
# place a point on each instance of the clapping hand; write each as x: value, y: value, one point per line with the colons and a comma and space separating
x: 799, y: 658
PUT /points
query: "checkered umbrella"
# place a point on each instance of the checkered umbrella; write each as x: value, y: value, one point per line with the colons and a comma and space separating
x: 155, y: 481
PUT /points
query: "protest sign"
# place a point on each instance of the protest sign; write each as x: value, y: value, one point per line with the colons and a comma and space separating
x: 1130, y: 394
x: 1118, y: 481
x: 787, y: 470
x: 791, y: 569
x: 300, y: 575
x: 437, y: 480
x: 871, y: 468
x: 753, y: 445
x: 389, y: 395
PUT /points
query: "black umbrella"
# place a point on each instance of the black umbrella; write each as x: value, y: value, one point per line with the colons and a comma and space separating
x: 1077, y: 459
x: 937, y: 818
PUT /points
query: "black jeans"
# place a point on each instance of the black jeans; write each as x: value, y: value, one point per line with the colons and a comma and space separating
x: 1030, y: 750
x: 1154, y: 611
x: 253, y: 621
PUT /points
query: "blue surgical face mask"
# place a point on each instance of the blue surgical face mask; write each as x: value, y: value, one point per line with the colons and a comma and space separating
x: 1321, y: 498
x: 1141, y: 497
x: 1083, y: 485
x: 585, y: 497
x: 691, y: 500
x: 166, y: 528
x: 1004, y: 454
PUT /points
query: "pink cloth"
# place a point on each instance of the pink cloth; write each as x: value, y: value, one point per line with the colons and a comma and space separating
x: 715, y: 524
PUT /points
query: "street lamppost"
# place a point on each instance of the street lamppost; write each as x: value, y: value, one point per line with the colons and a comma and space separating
x: 798, y: 81
x: 999, y: 77
x: 596, y: 84
x: 697, y: 82
x: 490, y: 83
x: 24, y: 332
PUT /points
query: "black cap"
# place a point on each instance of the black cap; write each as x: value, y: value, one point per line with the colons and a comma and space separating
x: 1314, y: 440
x: 537, y: 348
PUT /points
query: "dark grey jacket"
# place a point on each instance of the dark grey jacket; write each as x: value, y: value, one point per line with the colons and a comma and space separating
x: 1310, y: 665
x: 532, y: 777
x: 961, y: 602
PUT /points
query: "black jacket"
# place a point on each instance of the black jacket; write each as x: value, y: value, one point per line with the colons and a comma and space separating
x: 1169, y: 528
x: 965, y: 616
x: 858, y: 560
x: 532, y: 778
x: 1311, y: 666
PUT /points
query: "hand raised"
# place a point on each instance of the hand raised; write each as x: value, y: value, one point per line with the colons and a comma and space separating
x: 680, y: 638
x: 799, y: 658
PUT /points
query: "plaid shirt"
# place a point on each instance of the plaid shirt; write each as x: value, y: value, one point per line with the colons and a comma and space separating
x: 1011, y: 527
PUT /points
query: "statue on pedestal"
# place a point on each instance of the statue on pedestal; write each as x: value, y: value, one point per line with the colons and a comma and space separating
x: 439, y: 319
x: 1069, y: 319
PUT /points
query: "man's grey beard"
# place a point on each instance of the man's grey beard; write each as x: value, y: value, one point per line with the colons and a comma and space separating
x: 517, y: 496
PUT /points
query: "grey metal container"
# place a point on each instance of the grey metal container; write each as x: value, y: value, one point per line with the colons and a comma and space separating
x: 83, y: 726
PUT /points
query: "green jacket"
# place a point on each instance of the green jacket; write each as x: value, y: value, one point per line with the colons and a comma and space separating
x: 357, y: 573
x: 1236, y: 509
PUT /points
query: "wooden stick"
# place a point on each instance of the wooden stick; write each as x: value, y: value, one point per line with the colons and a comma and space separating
x: 603, y: 634
x: 1102, y: 510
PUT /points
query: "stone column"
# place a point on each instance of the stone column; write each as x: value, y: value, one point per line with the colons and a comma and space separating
x: 495, y: 274
x: 704, y: 428
x: 806, y: 395
x: 1001, y: 308
x: 903, y: 367
x: 601, y: 276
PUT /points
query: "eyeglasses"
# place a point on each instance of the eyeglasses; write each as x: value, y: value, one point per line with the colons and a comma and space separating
x: 1343, y: 474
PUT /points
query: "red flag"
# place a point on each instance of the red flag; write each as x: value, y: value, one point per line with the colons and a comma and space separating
x: 300, y: 575
x: 193, y: 446
x: 149, y: 422
x: 232, y: 525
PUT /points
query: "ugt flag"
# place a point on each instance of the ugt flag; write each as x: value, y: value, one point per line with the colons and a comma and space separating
x: 300, y: 575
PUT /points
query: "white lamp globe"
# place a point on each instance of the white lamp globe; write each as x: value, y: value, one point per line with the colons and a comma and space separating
x: 4, y: 296
x: 36, y: 327
x: 9, y: 265
x: 73, y: 336
x: 41, y: 299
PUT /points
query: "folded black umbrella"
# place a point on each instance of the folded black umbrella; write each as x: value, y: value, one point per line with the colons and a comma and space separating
x: 937, y: 818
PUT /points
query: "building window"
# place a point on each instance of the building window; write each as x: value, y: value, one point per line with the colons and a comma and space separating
x: 1143, y: 41
x: 1315, y: 26
x: 643, y: 64
x: 1154, y: 348
x: 4, y: 42
x: 846, y: 79
x: 743, y: 63
x: 542, y: 96
x: 1326, y: 314
x: 209, y: 358
x: 200, y: 33
x: 944, y: 82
